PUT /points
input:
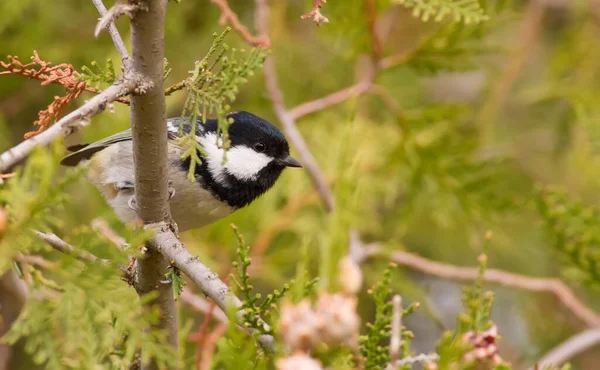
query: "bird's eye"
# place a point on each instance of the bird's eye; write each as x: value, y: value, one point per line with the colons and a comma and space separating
x: 259, y: 147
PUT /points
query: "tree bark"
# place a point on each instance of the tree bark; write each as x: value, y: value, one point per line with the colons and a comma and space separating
x: 149, y: 131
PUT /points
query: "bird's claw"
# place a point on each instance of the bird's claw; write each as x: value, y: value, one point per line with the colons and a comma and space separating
x: 132, y: 204
x: 171, y: 190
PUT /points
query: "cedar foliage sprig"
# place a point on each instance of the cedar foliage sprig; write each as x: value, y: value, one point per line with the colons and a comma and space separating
x: 253, y: 310
x: 88, y: 317
x: 467, y: 11
x: 177, y: 282
x: 376, y: 355
x: 457, y: 349
x: 95, y: 75
x: 573, y: 229
x: 213, y: 84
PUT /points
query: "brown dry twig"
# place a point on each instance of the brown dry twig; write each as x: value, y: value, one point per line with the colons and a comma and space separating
x: 495, y: 276
x: 104, y: 230
x: 114, y: 33
x: 376, y: 45
x: 62, y: 74
x: 202, y: 305
x: 315, y: 13
x: 568, y: 349
x: 205, y: 340
x: 228, y: 15
x: 117, y: 10
x: 285, y: 117
x: 364, y: 86
x: 360, y: 252
x: 209, y: 345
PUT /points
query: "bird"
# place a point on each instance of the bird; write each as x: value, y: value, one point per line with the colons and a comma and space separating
x: 258, y: 154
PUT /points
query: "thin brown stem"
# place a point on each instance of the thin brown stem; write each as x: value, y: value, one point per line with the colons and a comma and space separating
x: 71, y: 122
x: 229, y: 16
x: 569, y: 349
x: 173, y: 250
x: 555, y: 286
x: 113, y: 31
x: 376, y: 45
x: 287, y: 119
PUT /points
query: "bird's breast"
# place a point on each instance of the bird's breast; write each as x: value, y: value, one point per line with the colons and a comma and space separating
x: 193, y: 206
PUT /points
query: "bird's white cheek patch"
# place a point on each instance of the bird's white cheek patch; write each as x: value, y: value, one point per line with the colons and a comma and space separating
x: 245, y: 163
x: 214, y: 157
x: 242, y: 162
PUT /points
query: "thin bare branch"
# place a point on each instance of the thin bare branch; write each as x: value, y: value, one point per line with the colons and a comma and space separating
x: 293, y: 134
x: 101, y: 227
x: 361, y: 252
x: 396, y: 338
x: 173, y: 250
x: 202, y: 305
x: 287, y: 120
x: 72, y: 121
x: 421, y: 358
x: 364, y: 86
x: 495, y: 276
x: 62, y: 246
x: 569, y: 349
x: 228, y: 15
x: 331, y: 99
x: 108, y: 23
x: 210, y: 345
x: 376, y: 44
x: 35, y: 260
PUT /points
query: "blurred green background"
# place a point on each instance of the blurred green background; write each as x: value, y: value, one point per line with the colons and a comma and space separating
x: 452, y: 143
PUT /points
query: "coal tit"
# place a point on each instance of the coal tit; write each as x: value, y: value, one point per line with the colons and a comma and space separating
x: 258, y: 154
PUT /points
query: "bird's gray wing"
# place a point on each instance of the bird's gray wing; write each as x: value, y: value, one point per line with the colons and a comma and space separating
x: 82, y: 152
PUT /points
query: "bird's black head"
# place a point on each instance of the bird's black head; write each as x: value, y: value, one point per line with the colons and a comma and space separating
x: 258, y: 154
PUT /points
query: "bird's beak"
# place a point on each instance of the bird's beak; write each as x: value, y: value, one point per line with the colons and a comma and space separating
x: 289, y: 161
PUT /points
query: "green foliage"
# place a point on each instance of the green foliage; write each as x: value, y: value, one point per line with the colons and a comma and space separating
x: 456, y: 46
x: 31, y: 198
x: 475, y: 321
x: 254, y: 311
x: 467, y: 11
x: 375, y: 354
x: 177, y: 282
x: 476, y: 301
x: 78, y: 315
x: 572, y: 227
x: 570, y: 89
x: 213, y: 84
x: 97, y: 76
x: 442, y: 174
x: 235, y: 351
x: 413, y: 182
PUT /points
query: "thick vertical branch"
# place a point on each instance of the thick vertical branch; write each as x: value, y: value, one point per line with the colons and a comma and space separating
x: 149, y: 131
